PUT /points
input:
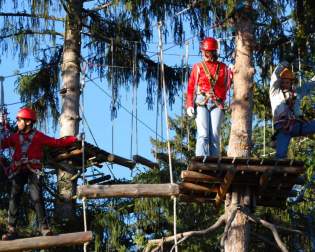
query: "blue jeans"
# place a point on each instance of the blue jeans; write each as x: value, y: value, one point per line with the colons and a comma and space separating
x: 208, y: 123
x: 284, y: 137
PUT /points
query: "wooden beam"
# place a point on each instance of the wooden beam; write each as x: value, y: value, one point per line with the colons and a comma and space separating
x: 196, y: 166
x: 121, y: 161
x: 164, y: 158
x: 43, y: 242
x: 99, y: 180
x: 128, y: 190
x: 198, y: 188
x: 192, y: 176
x: 68, y: 155
x: 146, y: 162
x: 224, y: 187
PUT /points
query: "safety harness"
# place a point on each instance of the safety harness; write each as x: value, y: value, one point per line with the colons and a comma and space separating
x: 211, y: 94
x: 24, y: 162
x: 287, y: 121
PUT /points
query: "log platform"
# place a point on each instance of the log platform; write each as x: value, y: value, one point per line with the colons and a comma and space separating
x: 270, y: 180
x: 210, y: 179
x: 94, y: 156
x: 44, y: 242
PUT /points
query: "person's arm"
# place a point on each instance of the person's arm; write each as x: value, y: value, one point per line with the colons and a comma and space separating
x: 192, y: 82
x: 275, y: 78
x: 57, y: 143
x: 7, y: 142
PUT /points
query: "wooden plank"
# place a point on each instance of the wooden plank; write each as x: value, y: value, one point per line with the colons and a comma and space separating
x: 224, y: 187
x: 196, y: 166
x: 146, y: 162
x: 192, y: 176
x: 248, y: 161
x: 43, y: 242
x: 128, y: 190
x: 198, y: 188
x: 99, y: 180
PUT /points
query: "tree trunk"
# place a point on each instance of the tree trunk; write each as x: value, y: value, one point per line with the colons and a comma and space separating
x: 69, y: 119
x: 241, y: 129
x: 240, y: 138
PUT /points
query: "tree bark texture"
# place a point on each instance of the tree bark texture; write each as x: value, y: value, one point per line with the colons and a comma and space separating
x: 237, y: 239
x: 69, y: 120
x: 241, y: 129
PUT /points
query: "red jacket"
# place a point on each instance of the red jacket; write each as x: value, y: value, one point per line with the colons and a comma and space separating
x: 198, y: 78
x: 35, y: 151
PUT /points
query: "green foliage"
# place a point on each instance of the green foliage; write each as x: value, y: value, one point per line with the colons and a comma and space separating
x: 39, y: 90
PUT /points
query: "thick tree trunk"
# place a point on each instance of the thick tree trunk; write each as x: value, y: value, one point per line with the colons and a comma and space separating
x: 241, y: 129
x: 240, y: 138
x: 69, y: 119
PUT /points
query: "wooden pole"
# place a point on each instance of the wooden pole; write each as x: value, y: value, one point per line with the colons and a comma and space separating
x: 146, y: 162
x: 129, y: 190
x: 43, y: 242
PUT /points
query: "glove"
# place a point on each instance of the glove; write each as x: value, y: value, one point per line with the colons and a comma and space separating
x: 190, y: 111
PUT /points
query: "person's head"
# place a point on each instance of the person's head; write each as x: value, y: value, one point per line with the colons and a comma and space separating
x: 26, y: 118
x: 287, y: 79
x: 209, y: 47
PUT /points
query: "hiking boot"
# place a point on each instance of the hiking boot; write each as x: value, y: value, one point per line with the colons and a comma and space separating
x: 10, y: 234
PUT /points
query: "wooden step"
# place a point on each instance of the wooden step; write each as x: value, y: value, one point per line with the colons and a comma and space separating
x: 128, y: 190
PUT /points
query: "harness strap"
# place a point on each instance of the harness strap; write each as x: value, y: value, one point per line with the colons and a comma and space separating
x: 213, y: 80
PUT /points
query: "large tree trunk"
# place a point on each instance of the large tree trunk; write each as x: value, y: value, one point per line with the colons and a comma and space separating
x: 241, y: 129
x: 69, y: 119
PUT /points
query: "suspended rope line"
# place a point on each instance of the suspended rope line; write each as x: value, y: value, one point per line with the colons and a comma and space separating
x: 186, y: 81
x: 167, y: 130
x: 83, y: 151
x: 124, y: 108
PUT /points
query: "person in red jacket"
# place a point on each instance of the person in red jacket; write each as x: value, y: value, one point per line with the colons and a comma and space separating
x: 207, y: 87
x: 28, y: 144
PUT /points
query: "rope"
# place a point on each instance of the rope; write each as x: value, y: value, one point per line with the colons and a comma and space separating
x: 83, y: 153
x: 167, y: 131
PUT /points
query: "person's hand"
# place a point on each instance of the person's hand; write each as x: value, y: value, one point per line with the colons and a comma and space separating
x: 190, y: 111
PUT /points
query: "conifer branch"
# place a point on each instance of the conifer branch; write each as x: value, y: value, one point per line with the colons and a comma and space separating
x: 24, y: 14
x: 31, y: 32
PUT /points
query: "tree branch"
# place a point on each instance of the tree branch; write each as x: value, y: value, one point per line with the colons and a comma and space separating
x: 100, y: 7
x: 183, y: 236
x: 227, y: 228
x: 270, y: 226
x: 24, y: 14
x: 31, y: 32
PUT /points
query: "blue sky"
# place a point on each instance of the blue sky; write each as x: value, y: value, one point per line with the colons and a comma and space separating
x: 97, y: 108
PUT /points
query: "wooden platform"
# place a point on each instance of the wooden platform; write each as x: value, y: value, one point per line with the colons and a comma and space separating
x: 208, y: 180
x: 43, y: 242
x: 270, y: 181
x: 94, y: 156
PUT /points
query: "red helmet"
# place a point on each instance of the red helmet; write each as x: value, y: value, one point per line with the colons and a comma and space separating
x: 209, y: 44
x: 27, y: 113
